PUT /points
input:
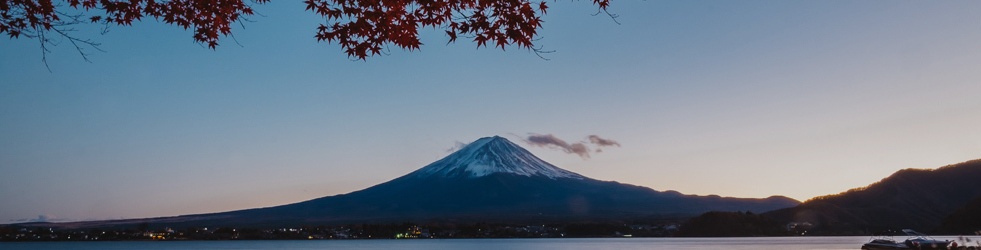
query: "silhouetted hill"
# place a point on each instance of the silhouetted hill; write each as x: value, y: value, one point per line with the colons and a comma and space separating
x: 966, y: 220
x: 910, y: 198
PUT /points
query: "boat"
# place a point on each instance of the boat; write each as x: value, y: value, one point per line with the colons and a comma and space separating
x: 883, y: 241
x: 918, y: 240
x: 914, y: 240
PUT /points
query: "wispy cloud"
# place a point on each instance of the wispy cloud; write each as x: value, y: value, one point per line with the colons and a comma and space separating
x: 550, y: 141
x: 456, y: 146
x: 601, y: 142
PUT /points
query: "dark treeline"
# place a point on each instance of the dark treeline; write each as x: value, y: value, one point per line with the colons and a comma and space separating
x: 351, y: 231
x: 710, y: 224
x: 733, y: 224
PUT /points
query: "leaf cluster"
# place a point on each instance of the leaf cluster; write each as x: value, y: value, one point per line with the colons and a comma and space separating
x: 210, y: 19
x: 362, y: 27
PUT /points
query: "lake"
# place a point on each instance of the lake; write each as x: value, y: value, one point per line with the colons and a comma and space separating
x: 749, y: 243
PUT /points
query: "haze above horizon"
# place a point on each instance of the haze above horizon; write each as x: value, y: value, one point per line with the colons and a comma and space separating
x: 742, y: 99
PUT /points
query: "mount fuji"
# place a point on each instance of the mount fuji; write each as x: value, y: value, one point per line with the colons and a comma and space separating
x: 489, y: 180
x: 488, y: 156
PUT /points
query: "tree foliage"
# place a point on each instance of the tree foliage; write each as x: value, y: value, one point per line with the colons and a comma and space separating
x: 362, y: 27
x: 911, y: 198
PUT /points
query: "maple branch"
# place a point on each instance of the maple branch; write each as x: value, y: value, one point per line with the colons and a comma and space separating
x: 611, y: 15
x: 538, y: 52
x: 63, y: 29
x: 44, y: 49
x: 76, y: 19
x: 75, y: 42
x: 235, y: 40
x: 105, y: 29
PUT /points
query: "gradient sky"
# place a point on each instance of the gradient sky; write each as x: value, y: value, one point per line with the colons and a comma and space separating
x: 735, y: 98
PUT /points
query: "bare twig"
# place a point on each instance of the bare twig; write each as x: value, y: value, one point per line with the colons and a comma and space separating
x: 64, y: 30
x: 611, y: 15
x: 538, y: 52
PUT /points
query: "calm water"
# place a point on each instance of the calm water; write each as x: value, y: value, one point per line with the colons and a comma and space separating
x: 782, y: 243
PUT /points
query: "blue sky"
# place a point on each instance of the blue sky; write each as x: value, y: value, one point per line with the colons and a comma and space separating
x: 735, y: 98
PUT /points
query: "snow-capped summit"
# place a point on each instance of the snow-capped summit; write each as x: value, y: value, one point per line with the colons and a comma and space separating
x: 491, y: 155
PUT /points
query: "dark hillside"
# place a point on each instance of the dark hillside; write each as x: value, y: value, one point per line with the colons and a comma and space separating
x: 910, y: 198
x: 966, y: 220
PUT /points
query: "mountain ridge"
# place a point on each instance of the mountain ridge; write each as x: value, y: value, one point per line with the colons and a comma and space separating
x: 489, y: 180
x: 909, y: 198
